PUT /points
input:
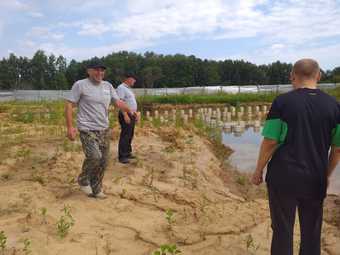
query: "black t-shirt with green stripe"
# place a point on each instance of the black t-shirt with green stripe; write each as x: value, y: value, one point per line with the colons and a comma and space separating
x: 305, y: 122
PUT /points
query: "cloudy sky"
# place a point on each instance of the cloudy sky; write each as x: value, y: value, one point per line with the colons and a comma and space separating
x: 260, y: 31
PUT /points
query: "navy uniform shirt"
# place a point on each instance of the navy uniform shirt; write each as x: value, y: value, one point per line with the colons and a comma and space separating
x: 305, y: 123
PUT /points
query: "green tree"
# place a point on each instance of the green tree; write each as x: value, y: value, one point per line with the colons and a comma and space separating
x: 39, y: 64
x: 151, y: 74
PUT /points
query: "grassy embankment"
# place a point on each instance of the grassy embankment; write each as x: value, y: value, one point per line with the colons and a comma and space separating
x: 218, y: 98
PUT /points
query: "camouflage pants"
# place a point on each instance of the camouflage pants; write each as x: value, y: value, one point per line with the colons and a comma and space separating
x: 96, y: 146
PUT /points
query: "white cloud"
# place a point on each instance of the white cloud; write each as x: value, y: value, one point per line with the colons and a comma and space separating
x: 38, y: 32
x: 13, y: 5
x: 290, y: 21
x: 36, y: 14
x: 298, y: 22
x: 328, y: 56
x: 128, y: 45
x: 93, y: 28
x: 29, y: 47
x: 99, y: 51
x: 28, y: 44
x: 73, y: 24
x: 57, y: 36
x: 285, y: 26
x: 44, y: 33
x: 275, y: 22
x: 280, y: 29
x: 1, y: 28
x: 277, y: 46
x: 155, y: 19
x: 90, y: 7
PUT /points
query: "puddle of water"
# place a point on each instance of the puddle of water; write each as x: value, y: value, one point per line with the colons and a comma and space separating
x: 246, y: 147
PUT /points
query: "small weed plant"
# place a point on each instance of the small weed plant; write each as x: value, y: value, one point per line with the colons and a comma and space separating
x: 27, y: 246
x: 167, y: 249
x: 250, y: 244
x: 43, y: 212
x: 65, y: 223
x: 3, y: 241
x: 169, y: 215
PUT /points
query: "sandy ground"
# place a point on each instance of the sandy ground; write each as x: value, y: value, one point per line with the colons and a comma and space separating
x: 213, y: 211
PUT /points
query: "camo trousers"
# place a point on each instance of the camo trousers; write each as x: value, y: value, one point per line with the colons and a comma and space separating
x: 96, y: 147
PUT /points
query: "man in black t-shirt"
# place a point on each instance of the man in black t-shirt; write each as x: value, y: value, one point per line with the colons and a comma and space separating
x: 301, y: 126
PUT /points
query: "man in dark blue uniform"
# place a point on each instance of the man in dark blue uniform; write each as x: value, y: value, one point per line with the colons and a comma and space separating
x: 301, y: 127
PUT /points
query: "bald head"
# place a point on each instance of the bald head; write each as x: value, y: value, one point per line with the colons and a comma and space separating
x: 305, y: 74
x: 306, y: 69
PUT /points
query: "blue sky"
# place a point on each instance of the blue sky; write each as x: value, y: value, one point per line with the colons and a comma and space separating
x: 260, y: 31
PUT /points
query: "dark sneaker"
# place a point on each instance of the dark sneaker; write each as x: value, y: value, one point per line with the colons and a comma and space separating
x: 124, y: 161
x: 132, y: 156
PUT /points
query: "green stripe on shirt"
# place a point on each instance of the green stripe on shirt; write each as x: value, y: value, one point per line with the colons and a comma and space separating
x: 336, y: 135
x: 275, y: 129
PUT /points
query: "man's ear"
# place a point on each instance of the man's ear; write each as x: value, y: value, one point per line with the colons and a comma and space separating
x: 318, y: 77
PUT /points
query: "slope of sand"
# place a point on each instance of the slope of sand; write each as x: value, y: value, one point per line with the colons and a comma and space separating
x: 176, y: 170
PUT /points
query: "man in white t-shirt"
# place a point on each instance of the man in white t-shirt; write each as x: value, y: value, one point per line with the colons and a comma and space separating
x: 93, y: 96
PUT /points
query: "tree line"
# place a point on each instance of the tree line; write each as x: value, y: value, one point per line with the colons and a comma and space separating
x: 152, y: 70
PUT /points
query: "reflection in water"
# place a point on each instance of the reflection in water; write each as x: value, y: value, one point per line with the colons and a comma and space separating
x: 245, y: 145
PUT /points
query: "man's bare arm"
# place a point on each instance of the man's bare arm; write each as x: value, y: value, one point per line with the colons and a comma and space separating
x: 123, y: 106
x: 334, y: 158
x: 267, y: 149
x: 71, y: 131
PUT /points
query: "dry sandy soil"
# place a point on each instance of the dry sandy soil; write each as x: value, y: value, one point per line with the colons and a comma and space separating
x: 215, y: 211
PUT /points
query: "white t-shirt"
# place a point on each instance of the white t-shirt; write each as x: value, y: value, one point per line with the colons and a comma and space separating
x: 126, y: 94
x: 93, y: 102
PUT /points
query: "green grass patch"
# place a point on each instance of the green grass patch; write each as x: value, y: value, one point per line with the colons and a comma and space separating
x: 218, y: 98
x: 334, y: 92
x: 41, y: 112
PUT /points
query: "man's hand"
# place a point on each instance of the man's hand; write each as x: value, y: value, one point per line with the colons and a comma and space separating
x: 334, y: 158
x: 123, y: 106
x: 112, y: 134
x: 257, y: 177
x: 71, y: 133
x: 127, y: 118
x: 137, y: 116
x: 328, y: 183
x: 267, y: 149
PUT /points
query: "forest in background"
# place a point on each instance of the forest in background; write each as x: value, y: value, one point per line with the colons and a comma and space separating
x: 50, y: 72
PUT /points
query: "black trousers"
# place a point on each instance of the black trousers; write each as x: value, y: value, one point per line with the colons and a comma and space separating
x: 126, y: 136
x: 283, y: 210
